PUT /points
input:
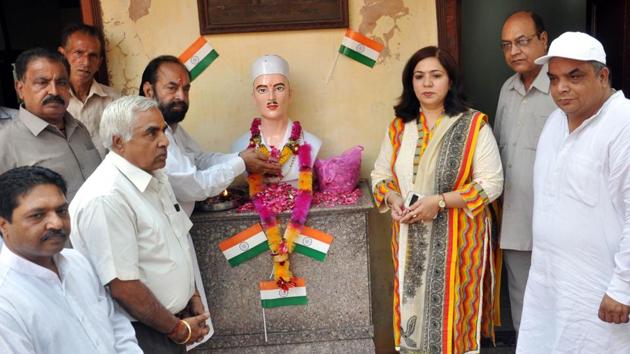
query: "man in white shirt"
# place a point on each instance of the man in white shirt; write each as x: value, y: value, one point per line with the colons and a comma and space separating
x: 194, y: 174
x: 523, y: 107
x: 128, y: 223
x: 578, y: 292
x: 82, y: 45
x: 50, y: 298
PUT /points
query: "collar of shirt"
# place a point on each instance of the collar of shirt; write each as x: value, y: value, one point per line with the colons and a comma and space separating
x: 36, y: 125
x: 24, y: 266
x: 594, y: 117
x: 95, y: 89
x: 541, y: 82
x: 139, y: 177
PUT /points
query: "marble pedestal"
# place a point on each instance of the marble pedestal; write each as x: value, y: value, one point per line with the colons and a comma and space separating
x: 338, y: 317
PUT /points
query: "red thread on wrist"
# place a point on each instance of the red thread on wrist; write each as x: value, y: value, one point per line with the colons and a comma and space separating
x: 175, y: 329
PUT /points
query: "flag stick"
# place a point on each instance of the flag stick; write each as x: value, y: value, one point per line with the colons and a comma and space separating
x: 332, y: 68
x: 263, y: 311
x: 264, y: 324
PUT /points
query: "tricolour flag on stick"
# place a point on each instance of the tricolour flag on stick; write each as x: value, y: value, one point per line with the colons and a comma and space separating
x: 360, y: 48
x: 198, y: 57
x: 271, y: 295
x: 245, y: 245
x: 313, y: 243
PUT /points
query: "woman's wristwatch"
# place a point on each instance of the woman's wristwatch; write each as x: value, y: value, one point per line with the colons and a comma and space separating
x: 442, y: 202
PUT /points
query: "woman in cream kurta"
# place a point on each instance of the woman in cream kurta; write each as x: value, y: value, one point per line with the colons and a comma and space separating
x: 443, y: 254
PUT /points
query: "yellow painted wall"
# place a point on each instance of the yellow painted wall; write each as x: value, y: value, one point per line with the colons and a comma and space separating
x: 353, y: 108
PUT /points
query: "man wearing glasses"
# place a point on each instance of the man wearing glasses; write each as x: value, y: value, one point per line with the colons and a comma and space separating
x: 524, y: 105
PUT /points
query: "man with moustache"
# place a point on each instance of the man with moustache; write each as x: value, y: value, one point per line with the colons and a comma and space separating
x: 82, y: 45
x: 51, y: 300
x: 44, y: 134
x: 524, y: 105
x: 194, y: 174
x: 127, y: 222
x: 272, y: 95
x: 578, y: 292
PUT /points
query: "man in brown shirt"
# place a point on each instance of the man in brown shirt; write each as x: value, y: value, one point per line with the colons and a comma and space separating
x: 82, y: 45
x: 44, y: 134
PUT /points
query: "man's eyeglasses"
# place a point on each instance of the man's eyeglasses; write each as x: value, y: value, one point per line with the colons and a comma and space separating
x: 520, y: 42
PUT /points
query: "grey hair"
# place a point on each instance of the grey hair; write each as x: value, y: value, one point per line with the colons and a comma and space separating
x: 598, y: 66
x: 120, y: 115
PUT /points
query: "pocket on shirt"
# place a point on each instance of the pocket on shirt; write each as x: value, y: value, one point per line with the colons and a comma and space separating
x: 582, y: 176
x: 533, y: 132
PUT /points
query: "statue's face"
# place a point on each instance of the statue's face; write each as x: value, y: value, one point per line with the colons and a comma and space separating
x: 272, y: 96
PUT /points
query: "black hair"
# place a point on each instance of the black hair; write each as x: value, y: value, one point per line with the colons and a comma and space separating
x: 27, y: 56
x: 21, y: 180
x: 150, y: 72
x: 75, y: 27
x: 408, y: 107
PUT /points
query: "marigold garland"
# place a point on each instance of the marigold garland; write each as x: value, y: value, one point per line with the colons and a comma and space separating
x: 282, y: 246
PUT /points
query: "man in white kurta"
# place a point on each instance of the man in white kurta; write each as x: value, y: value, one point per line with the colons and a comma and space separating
x: 578, y: 290
x: 193, y: 173
x: 51, y: 300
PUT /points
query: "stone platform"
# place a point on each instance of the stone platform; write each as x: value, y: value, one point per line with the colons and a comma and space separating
x: 338, y: 317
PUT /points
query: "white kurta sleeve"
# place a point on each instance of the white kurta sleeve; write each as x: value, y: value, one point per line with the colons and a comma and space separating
x: 195, y: 174
x: 487, y: 168
x: 195, y: 183
x: 382, y: 173
x: 619, y: 184
x: 487, y: 174
x: 124, y: 335
x: 14, y: 336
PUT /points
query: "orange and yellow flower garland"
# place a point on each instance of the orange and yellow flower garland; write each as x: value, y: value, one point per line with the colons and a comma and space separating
x: 282, y: 246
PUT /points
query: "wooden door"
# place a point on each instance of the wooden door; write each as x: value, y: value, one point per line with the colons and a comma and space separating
x: 609, y: 22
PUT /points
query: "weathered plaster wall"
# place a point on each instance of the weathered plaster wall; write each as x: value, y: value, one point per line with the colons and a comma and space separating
x: 353, y: 108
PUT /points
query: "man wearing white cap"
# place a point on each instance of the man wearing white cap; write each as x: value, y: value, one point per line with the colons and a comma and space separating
x: 276, y: 132
x: 578, y: 289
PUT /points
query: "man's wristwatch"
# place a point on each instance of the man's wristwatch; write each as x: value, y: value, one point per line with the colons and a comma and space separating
x: 442, y: 202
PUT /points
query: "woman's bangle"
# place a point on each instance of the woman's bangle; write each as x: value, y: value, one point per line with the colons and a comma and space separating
x: 189, y: 332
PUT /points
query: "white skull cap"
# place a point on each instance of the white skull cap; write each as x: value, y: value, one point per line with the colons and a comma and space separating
x: 270, y: 64
x: 575, y: 45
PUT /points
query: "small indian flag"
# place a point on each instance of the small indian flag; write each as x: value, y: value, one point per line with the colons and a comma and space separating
x: 360, y: 48
x: 245, y: 245
x: 198, y: 57
x: 271, y: 295
x: 313, y: 243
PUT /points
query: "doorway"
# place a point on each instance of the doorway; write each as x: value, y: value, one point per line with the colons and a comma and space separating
x: 482, y: 61
x: 470, y: 30
x: 26, y: 24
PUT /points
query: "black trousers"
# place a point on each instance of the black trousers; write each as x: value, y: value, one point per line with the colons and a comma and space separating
x: 154, y: 342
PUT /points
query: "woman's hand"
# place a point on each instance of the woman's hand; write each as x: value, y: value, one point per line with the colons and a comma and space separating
x: 396, y: 203
x: 426, y: 209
